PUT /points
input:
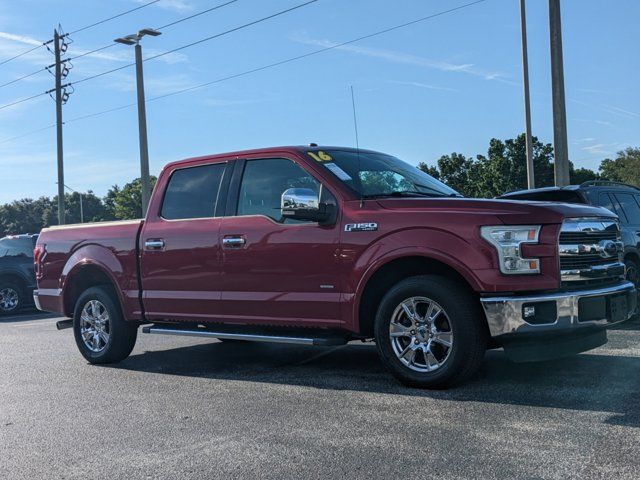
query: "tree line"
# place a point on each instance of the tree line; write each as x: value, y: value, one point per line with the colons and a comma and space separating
x: 501, y: 169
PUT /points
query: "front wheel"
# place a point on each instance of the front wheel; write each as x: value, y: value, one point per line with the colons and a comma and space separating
x: 101, y: 332
x: 429, y: 332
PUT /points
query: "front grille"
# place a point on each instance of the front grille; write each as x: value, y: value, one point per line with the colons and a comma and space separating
x: 590, y: 251
x: 587, y: 237
x: 583, y: 261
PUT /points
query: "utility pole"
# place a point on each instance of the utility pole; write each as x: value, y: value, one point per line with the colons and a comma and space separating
x: 134, y: 39
x: 531, y: 183
x: 58, y: 75
x: 560, y: 144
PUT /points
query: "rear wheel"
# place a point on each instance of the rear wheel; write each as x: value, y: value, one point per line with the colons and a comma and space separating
x: 11, y: 297
x: 101, y: 332
x: 429, y: 333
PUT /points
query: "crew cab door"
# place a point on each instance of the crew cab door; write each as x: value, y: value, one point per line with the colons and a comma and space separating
x: 277, y: 270
x: 180, y: 263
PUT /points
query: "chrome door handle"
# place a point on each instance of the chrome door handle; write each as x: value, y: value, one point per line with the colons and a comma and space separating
x: 233, y: 241
x: 154, y: 244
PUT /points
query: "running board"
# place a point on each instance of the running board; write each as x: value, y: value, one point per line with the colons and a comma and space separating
x: 298, y: 338
x: 64, y: 324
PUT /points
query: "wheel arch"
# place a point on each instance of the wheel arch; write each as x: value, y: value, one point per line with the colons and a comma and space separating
x: 386, y: 274
x: 83, y: 276
x: 13, y: 276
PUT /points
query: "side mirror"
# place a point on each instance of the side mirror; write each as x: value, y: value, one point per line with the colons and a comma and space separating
x: 304, y: 204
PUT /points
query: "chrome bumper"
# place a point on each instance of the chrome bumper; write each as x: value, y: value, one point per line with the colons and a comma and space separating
x: 36, y: 300
x: 505, y: 314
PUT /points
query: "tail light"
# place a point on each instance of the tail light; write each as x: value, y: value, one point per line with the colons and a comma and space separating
x: 38, y: 258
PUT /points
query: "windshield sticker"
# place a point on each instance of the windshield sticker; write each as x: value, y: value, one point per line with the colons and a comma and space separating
x: 320, y: 156
x: 338, y: 172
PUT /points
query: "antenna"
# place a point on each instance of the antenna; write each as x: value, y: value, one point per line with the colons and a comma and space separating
x: 355, y: 127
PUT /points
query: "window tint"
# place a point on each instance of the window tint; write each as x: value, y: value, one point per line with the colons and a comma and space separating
x: 630, y: 207
x: 192, y: 192
x: 16, y: 247
x: 604, y: 200
x: 264, y: 182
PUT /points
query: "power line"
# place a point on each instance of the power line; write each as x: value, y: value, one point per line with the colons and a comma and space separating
x: 24, y: 53
x: 265, y: 67
x: 16, y: 102
x: 23, y: 77
x: 100, y: 22
x: 197, y: 42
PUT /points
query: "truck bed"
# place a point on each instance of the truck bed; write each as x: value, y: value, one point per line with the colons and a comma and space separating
x: 102, y: 248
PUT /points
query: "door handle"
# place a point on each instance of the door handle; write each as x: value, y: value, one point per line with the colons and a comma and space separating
x: 154, y: 244
x: 233, y: 242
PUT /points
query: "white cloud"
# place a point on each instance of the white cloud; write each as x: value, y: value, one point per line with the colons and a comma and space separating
x: 424, y: 85
x: 405, y: 58
x: 175, y: 5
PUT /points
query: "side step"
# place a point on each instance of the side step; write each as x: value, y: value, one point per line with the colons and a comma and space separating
x: 242, y: 332
x: 64, y: 324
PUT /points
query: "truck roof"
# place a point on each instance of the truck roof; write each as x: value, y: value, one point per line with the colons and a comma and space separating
x: 295, y: 149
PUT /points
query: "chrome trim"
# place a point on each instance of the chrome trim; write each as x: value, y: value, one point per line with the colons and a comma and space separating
x: 154, y: 244
x: 604, y: 249
x: 36, y: 300
x: 234, y: 241
x: 504, y: 314
x: 230, y: 336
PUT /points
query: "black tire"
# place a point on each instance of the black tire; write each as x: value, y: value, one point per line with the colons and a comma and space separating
x: 122, y: 335
x: 632, y: 272
x: 464, y: 321
x: 17, y: 292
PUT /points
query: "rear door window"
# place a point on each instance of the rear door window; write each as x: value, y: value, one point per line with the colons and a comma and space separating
x: 605, y: 201
x: 630, y: 207
x: 193, y: 192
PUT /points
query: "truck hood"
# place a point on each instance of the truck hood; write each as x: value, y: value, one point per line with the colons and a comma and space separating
x: 510, y: 212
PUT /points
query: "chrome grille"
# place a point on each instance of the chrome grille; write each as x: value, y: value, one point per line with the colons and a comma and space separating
x: 590, y: 250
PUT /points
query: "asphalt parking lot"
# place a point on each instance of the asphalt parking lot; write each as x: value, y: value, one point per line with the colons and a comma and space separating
x: 190, y: 408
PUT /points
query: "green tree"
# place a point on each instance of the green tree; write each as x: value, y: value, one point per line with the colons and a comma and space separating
x: 125, y: 203
x: 581, y: 175
x: 624, y: 168
x: 24, y: 216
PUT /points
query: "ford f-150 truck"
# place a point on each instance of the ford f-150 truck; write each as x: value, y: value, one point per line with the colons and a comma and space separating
x: 324, y: 245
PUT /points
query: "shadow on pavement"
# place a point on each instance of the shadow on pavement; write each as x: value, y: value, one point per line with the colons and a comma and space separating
x: 603, y: 383
x: 27, y: 315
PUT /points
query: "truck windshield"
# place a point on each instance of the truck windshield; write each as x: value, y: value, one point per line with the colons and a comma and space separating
x: 371, y: 174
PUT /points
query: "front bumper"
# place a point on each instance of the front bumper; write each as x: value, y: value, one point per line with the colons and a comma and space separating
x: 567, y: 322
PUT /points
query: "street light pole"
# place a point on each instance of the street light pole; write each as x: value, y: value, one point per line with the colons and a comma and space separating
x: 142, y: 129
x: 145, y: 181
x: 531, y: 183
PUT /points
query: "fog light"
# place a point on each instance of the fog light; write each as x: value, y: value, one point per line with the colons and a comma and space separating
x: 529, y: 312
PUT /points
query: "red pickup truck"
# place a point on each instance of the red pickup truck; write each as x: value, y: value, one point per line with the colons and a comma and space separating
x: 324, y: 245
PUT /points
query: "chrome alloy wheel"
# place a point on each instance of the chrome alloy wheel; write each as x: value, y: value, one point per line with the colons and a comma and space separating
x: 421, y: 334
x: 9, y: 299
x: 94, y: 326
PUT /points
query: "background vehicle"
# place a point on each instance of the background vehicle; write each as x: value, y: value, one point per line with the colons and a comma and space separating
x: 319, y: 246
x: 619, y: 198
x: 17, y: 279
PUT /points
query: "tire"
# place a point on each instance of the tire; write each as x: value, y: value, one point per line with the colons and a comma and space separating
x: 459, y: 323
x: 98, y: 318
x: 632, y: 272
x: 12, y: 297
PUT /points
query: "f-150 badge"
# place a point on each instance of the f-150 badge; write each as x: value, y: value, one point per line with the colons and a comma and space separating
x: 361, y: 227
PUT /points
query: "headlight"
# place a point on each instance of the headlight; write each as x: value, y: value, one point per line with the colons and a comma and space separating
x: 507, y: 241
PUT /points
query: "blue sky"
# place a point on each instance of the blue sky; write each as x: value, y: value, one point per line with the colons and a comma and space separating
x: 447, y: 84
